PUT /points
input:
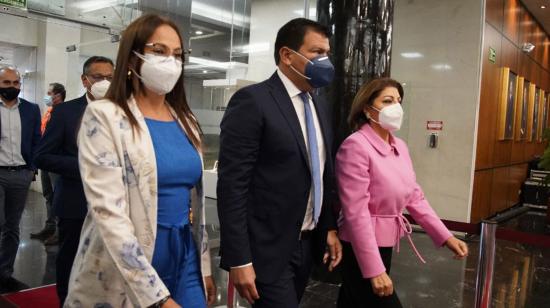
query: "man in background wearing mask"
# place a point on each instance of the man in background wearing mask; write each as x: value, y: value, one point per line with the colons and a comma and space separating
x: 55, y: 95
x: 19, y: 137
x: 58, y: 153
x: 276, y: 187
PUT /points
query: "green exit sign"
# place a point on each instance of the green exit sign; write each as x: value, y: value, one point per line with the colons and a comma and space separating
x: 492, y: 55
x: 20, y: 4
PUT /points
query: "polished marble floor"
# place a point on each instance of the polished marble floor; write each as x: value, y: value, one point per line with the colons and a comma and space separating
x: 522, y: 273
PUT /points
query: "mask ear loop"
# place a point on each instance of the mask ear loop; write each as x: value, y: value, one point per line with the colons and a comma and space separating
x: 370, y: 118
x: 295, y: 70
x: 91, y: 84
x: 132, y: 70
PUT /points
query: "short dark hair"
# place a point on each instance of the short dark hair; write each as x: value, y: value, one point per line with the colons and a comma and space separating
x: 58, y: 88
x: 292, y: 34
x: 366, y: 95
x: 95, y: 59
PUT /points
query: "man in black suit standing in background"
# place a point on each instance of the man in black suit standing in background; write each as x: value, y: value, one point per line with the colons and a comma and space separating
x: 276, y: 187
x: 58, y: 153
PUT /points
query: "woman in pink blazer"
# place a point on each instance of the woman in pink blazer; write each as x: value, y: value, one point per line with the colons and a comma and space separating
x: 376, y: 183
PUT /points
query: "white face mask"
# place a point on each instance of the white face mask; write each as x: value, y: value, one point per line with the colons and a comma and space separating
x: 158, y: 73
x: 390, y: 117
x: 99, y: 89
x: 48, y: 100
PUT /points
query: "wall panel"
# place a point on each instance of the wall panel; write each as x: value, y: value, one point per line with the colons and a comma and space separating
x: 512, y: 14
x: 495, y: 13
x: 501, y: 166
x: 481, y: 203
x: 489, y: 99
x: 499, y: 190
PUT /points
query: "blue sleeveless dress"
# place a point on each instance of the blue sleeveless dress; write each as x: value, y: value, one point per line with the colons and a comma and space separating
x: 175, y: 257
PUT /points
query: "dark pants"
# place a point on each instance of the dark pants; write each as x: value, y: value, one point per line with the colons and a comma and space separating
x: 69, y: 237
x: 48, y: 182
x: 356, y: 291
x: 14, y: 186
x: 287, y: 291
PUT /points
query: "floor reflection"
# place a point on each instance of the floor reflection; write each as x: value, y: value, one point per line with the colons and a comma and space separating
x: 522, y: 273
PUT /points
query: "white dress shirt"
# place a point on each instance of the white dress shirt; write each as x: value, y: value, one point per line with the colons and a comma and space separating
x: 298, y: 104
x: 10, y: 138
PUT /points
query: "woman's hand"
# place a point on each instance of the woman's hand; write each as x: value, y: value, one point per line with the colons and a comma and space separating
x: 457, y: 246
x: 382, y: 285
x: 170, y: 303
x: 210, y: 290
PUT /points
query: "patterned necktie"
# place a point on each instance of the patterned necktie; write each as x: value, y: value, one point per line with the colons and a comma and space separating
x: 313, y: 157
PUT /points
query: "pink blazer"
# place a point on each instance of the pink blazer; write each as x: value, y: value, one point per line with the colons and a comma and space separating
x: 376, y: 182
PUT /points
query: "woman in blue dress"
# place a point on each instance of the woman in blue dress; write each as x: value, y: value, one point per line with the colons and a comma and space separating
x: 143, y: 243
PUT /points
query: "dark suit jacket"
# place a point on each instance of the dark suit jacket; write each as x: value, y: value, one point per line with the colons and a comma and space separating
x: 264, y: 179
x: 30, y: 130
x: 58, y: 153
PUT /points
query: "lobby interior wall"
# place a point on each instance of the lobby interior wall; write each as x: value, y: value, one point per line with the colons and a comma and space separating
x: 436, y: 54
x: 501, y: 165
x: 38, y: 44
x: 50, y: 36
x: 264, y: 24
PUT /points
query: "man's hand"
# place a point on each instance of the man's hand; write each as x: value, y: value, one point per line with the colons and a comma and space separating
x: 244, y: 280
x: 334, y: 250
x: 210, y: 289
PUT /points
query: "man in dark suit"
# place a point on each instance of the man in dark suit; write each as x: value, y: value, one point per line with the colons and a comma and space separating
x: 276, y: 186
x: 58, y: 153
x: 19, y: 137
x: 56, y: 95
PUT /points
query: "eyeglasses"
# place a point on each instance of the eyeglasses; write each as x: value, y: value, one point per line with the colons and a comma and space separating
x: 160, y: 49
x: 98, y: 77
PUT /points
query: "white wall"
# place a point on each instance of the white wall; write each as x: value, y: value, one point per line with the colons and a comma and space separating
x: 55, y: 36
x: 18, y: 30
x: 442, y: 85
x: 266, y: 19
x: 39, y: 47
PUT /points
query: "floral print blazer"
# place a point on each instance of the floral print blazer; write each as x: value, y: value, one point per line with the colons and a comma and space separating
x: 112, y: 267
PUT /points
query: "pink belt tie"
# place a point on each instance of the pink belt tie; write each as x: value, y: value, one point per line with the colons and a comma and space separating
x: 406, y: 227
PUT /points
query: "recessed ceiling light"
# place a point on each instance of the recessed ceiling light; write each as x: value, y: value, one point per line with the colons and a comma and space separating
x: 412, y: 55
x: 543, y: 6
x: 199, y: 32
x: 205, y: 71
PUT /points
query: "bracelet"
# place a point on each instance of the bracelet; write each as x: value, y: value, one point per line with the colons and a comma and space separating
x: 160, y: 303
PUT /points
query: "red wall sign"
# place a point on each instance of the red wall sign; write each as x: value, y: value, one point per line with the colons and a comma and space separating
x: 434, y: 125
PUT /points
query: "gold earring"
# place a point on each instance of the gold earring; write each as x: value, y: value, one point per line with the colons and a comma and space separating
x: 129, y: 74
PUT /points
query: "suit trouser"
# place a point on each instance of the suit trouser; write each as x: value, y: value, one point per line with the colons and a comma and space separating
x: 48, y: 181
x: 287, y: 291
x: 14, y: 187
x: 356, y: 291
x: 69, y: 237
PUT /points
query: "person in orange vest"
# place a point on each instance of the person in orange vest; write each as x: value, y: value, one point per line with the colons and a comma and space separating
x: 55, y: 96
